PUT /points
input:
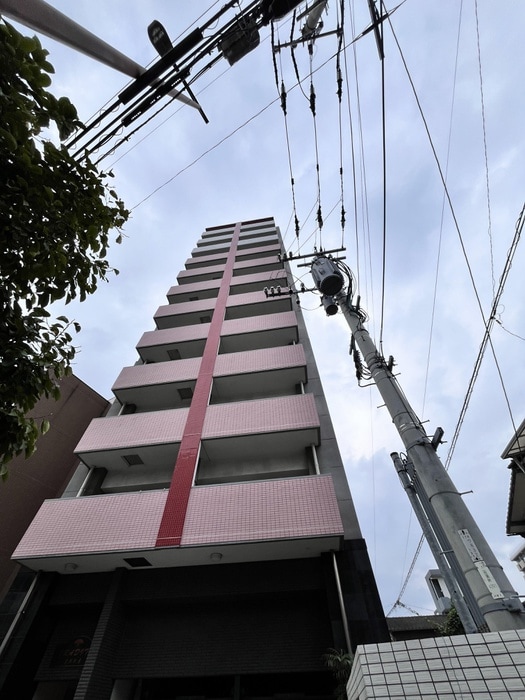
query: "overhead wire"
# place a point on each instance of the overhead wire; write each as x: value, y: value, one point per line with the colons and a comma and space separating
x: 311, y: 99
x: 339, y: 79
x: 184, y: 31
x: 238, y: 128
x: 442, y: 215
x: 281, y: 89
x: 514, y: 335
x: 176, y: 111
x: 164, y: 121
x: 363, y: 180
x: 206, y: 152
x: 140, y: 97
x: 434, y: 298
x: 313, y: 109
x: 485, y: 150
x: 449, y: 200
x: 488, y: 323
x: 488, y: 341
x: 384, y: 162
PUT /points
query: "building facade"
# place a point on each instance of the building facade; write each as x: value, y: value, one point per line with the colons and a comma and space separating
x: 48, y: 471
x: 208, y: 546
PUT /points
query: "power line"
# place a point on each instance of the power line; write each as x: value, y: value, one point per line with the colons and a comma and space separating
x: 486, y: 339
x: 443, y: 201
x: 485, y: 152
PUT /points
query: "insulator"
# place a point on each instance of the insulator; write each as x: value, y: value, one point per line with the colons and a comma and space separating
x: 283, y: 97
x: 312, y: 98
x: 319, y: 214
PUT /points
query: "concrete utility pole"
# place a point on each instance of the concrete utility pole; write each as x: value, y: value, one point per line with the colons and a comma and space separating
x: 494, y: 605
x: 493, y: 592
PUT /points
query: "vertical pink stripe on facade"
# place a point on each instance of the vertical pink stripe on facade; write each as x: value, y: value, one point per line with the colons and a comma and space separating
x: 172, y: 523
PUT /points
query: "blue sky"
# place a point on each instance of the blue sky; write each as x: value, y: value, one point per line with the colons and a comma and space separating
x: 248, y: 176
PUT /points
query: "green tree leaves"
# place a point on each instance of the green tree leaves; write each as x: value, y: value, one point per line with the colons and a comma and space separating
x: 57, y: 215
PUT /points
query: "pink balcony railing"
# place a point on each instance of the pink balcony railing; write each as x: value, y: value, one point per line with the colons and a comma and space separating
x: 119, y: 524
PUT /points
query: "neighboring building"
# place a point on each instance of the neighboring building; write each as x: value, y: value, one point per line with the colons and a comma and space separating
x: 515, y: 451
x: 213, y: 550
x: 488, y: 666
x: 416, y: 627
x: 46, y: 473
x: 518, y: 557
x: 438, y: 590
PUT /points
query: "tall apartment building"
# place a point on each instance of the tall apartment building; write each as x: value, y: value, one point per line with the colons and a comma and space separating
x: 212, y: 549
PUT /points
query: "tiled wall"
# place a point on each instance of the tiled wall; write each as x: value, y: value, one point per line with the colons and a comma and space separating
x: 259, y: 511
x: 487, y: 666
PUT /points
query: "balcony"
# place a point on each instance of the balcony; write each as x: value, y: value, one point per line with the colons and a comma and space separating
x: 214, y: 272
x: 294, y: 417
x: 259, y: 373
x: 142, y: 448
x: 206, y: 260
x: 173, y: 343
x: 255, y: 333
x: 250, y: 253
x: 182, y: 293
x: 257, y: 281
x: 184, y: 314
x: 261, y: 265
x: 218, y: 231
x: 262, y: 240
x: 159, y: 385
x: 259, y: 439
x: 256, y: 304
x: 201, y: 311
x: 280, y: 519
x: 258, y: 228
x: 210, y: 249
x: 138, y: 451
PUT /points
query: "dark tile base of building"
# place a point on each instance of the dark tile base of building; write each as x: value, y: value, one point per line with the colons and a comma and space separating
x: 252, y: 630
